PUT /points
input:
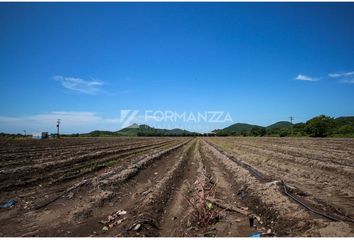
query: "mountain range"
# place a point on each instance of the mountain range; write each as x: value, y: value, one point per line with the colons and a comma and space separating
x: 141, y: 130
x: 234, y: 129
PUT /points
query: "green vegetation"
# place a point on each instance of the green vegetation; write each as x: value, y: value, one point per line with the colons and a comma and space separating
x: 320, y: 126
x: 238, y: 129
x: 279, y: 125
x: 140, y: 130
x: 258, y: 131
x: 13, y: 136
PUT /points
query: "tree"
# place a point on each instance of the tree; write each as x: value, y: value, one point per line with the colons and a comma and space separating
x: 299, y: 129
x: 320, y: 126
x: 258, y: 131
x: 345, y: 129
x: 284, y: 132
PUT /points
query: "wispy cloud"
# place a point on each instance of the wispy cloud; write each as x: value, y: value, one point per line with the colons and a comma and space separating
x: 302, y: 77
x: 343, y: 77
x: 351, y: 81
x: 339, y: 75
x: 80, y: 85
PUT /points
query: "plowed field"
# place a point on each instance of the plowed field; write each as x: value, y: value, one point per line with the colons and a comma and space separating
x: 177, y: 187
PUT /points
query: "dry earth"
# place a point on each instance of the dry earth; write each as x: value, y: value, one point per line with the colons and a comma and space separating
x: 177, y: 187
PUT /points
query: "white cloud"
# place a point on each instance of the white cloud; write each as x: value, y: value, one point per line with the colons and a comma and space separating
x: 338, y: 75
x: 343, y: 77
x: 302, y: 77
x: 351, y: 81
x: 80, y: 85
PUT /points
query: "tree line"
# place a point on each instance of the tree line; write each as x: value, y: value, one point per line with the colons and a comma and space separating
x: 319, y: 126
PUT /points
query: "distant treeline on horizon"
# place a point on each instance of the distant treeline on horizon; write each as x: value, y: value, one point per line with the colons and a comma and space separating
x: 320, y: 126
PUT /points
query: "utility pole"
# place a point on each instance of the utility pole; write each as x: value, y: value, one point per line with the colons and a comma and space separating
x: 58, y: 124
x: 291, y: 120
x: 25, y: 132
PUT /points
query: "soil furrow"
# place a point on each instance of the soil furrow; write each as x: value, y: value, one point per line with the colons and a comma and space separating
x: 282, y: 214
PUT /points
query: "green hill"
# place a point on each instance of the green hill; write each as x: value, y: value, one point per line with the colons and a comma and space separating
x: 139, y: 130
x: 341, y: 121
x: 279, y: 125
x: 236, y: 129
x: 98, y: 133
x: 337, y: 127
x: 145, y: 130
x: 333, y: 127
x: 133, y: 130
x: 282, y: 129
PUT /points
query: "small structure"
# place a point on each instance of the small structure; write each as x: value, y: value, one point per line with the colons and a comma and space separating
x: 40, y: 135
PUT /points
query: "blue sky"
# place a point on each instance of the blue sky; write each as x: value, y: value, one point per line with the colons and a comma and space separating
x: 260, y: 62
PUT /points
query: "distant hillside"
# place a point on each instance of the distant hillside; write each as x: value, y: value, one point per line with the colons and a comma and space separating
x: 98, y: 133
x: 319, y: 126
x: 244, y: 129
x: 278, y: 125
x: 133, y: 130
x: 236, y: 129
x: 139, y: 130
x: 341, y: 121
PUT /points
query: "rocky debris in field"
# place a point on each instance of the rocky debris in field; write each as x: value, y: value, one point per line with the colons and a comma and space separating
x: 116, y: 223
x: 146, y: 192
x: 226, y: 206
x: 273, y: 183
x: 105, y: 228
x: 113, y: 220
x: 30, y: 234
x: 137, y: 227
x: 70, y: 195
x: 241, y: 192
x: 27, y: 204
x: 268, y: 233
x: 122, y: 212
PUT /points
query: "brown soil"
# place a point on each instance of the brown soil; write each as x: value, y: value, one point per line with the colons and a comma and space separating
x: 148, y: 187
